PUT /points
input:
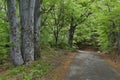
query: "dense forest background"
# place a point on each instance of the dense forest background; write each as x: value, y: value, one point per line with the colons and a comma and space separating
x: 58, y: 24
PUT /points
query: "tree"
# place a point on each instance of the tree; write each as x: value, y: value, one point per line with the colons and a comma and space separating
x: 55, y: 18
x: 37, y: 18
x: 30, y: 30
x: 27, y: 22
x: 62, y: 23
x: 14, y: 33
x: 58, y: 21
x: 76, y: 18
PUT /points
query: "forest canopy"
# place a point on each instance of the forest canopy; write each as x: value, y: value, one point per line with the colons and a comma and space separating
x: 28, y: 27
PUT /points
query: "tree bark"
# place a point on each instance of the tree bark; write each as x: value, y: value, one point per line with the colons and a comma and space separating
x: 114, y: 36
x: 111, y: 34
x: 27, y: 23
x: 71, y: 34
x: 37, y: 17
x: 14, y: 33
x: 56, y: 36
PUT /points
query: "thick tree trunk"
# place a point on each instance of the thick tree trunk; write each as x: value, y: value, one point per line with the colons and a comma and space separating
x: 14, y: 33
x: 27, y: 23
x: 71, y: 35
x: 37, y: 17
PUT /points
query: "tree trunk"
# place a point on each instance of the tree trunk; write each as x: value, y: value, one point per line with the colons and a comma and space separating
x: 14, y: 33
x: 56, y: 35
x: 111, y: 34
x: 37, y: 17
x: 71, y: 34
x: 27, y: 23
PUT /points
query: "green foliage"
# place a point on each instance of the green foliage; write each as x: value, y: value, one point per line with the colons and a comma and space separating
x: 30, y: 76
x: 93, y: 20
x: 4, y: 36
x: 16, y: 70
x: 56, y: 20
x: 99, y: 23
x: 42, y: 66
x: 37, y: 69
x: 1, y: 78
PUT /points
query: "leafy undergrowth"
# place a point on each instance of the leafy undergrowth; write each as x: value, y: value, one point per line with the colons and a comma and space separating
x: 113, y: 59
x: 49, y: 63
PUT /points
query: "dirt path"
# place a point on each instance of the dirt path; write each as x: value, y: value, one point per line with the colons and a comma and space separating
x: 89, y: 66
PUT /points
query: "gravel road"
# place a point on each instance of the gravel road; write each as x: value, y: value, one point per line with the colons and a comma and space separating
x: 89, y: 66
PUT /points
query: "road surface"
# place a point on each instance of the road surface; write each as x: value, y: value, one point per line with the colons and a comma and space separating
x: 89, y: 66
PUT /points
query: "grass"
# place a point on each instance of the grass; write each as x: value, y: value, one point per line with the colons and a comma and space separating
x: 0, y: 78
x: 38, y: 69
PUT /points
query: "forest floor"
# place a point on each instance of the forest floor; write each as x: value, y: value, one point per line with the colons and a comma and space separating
x: 90, y: 66
x: 53, y: 65
x: 56, y: 65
